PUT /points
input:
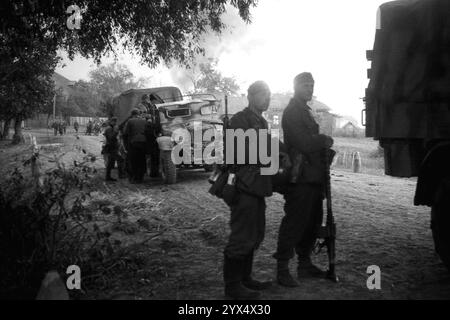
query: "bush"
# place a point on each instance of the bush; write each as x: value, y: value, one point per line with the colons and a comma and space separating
x: 43, y: 226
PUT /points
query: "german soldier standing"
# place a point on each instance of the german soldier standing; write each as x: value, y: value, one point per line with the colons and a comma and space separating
x: 154, y: 131
x: 111, y: 149
x: 303, y: 206
x: 247, y: 222
x: 134, y: 135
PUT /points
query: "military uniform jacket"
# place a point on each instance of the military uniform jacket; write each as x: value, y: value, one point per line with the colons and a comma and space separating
x: 248, y: 176
x: 135, y: 131
x: 112, y: 144
x: 301, y: 135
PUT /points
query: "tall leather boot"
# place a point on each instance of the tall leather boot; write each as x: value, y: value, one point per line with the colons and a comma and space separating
x: 306, y: 268
x: 283, y: 276
x: 248, y: 281
x: 121, y: 169
x: 109, y: 167
x: 232, y: 275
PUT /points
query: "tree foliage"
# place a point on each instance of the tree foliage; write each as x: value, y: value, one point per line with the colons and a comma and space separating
x: 209, y: 79
x: 83, y: 100
x: 113, y: 79
x: 157, y: 30
x: 26, y: 84
x: 91, y: 98
x: 32, y: 31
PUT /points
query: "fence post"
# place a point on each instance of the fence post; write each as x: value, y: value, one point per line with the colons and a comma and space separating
x: 345, y: 159
x: 356, y: 162
x: 35, y: 172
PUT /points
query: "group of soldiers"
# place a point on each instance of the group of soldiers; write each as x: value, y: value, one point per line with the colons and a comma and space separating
x: 59, y: 126
x: 133, y: 142
x: 245, y: 193
x: 93, y: 127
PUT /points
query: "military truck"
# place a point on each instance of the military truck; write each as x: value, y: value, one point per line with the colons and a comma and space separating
x: 408, y: 103
x: 176, y: 112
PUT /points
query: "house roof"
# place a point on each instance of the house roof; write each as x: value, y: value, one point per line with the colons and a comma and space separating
x: 61, y: 81
x: 348, y: 124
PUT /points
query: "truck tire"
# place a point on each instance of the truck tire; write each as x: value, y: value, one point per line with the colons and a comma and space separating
x: 169, y: 170
x: 208, y: 167
x: 440, y: 222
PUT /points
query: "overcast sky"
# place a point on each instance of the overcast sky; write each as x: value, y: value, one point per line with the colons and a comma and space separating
x: 328, y: 38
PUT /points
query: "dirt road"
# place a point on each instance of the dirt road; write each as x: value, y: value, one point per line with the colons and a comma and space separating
x: 376, y: 224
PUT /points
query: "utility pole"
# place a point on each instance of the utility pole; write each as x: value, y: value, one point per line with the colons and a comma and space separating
x: 54, y: 107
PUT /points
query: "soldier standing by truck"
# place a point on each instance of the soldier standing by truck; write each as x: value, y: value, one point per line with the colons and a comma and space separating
x: 153, y: 132
x: 143, y: 106
x: 247, y: 203
x: 303, y: 206
x: 134, y: 135
x: 111, y: 149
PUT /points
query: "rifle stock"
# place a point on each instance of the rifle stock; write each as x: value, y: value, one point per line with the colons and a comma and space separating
x: 328, y: 232
x: 219, y: 176
x: 224, y: 130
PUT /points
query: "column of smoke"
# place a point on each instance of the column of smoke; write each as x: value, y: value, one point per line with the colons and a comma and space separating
x: 215, y: 45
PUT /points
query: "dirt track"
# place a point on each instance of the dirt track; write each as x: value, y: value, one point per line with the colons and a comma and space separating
x: 376, y: 222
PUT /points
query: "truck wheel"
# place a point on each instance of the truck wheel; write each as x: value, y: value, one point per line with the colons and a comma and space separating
x: 169, y: 170
x: 440, y: 222
x: 208, y: 167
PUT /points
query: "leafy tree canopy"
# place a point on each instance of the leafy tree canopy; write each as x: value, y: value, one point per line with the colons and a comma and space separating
x: 157, y: 30
x: 206, y: 78
x: 113, y: 79
x: 26, y: 84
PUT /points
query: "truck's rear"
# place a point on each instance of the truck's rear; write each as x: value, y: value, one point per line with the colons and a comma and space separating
x: 408, y: 102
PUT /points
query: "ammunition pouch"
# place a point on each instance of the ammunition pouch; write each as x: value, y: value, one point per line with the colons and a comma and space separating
x: 221, y: 189
x: 308, y: 168
x: 229, y: 194
x: 280, y: 180
x: 250, y: 181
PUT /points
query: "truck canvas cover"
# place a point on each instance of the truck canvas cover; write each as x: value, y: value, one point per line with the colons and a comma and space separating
x: 125, y: 102
x: 408, y: 96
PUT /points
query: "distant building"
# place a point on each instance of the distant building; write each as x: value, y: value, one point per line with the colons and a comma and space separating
x: 330, y: 123
x: 348, y: 127
x: 350, y: 130
x: 320, y: 110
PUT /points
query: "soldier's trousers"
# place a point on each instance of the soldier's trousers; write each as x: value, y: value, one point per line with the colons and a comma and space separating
x: 114, y: 157
x: 138, y: 165
x: 301, y: 222
x: 247, y: 224
x: 153, y: 161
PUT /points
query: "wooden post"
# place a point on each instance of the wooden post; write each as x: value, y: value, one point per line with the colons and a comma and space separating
x: 35, y: 170
x: 356, y: 162
x: 52, y: 288
x: 345, y: 159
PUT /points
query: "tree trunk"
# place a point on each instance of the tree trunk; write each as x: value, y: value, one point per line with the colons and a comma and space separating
x: 5, y: 132
x: 18, y: 136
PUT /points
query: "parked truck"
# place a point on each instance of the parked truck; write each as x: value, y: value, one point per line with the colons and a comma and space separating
x: 176, y: 111
x: 408, y: 103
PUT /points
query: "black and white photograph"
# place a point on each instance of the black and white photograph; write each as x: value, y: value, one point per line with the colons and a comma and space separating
x: 227, y: 155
